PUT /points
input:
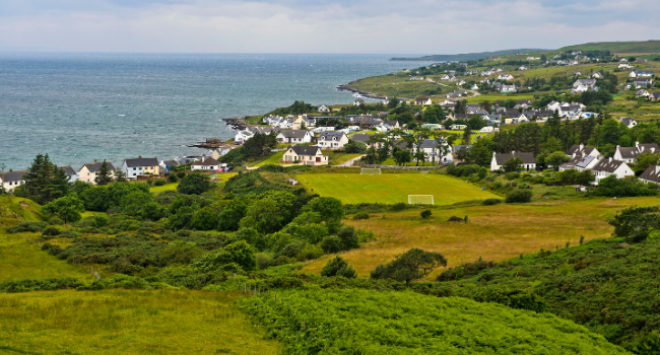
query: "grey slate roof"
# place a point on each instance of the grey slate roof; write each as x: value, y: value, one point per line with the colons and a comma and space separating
x: 634, y: 152
x: 131, y: 163
x: 458, y: 147
x: 391, y: 123
x: 652, y: 173
x: 95, y: 167
x: 13, y: 176
x: 576, y: 148
x: 329, y: 135
x: 627, y: 121
x: 527, y: 158
x: 360, y: 138
x: 305, y: 150
x: 207, y: 162
x: 171, y: 163
x: 429, y: 143
x: 68, y: 170
x: 293, y: 133
x: 656, y: 94
x: 608, y: 165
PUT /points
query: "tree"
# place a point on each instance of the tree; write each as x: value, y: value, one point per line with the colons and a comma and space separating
x: 476, y: 122
x: 420, y: 155
x: 394, y: 102
x: 461, y: 107
x: 557, y: 158
x: 426, y: 214
x: 467, y: 136
x: 353, y: 147
x: 329, y: 208
x: 635, y: 223
x: 194, y: 183
x: 44, y: 182
x: 543, y: 58
x: 338, y: 267
x: 67, y: 208
x: 486, y: 105
x: 260, y: 145
x: 512, y: 165
x: 402, y: 157
x: 103, y: 177
x: 411, y: 265
x: 121, y: 177
x: 205, y: 219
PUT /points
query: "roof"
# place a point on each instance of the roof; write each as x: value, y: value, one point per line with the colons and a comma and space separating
x: 293, y: 133
x: 169, y: 163
x: 207, y: 162
x: 360, y: 137
x: 608, y: 165
x: 141, y: 162
x: 634, y: 152
x: 656, y: 94
x: 429, y: 143
x: 646, y: 72
x: 69, y: 170
x: 13, y: 176
x: 422, y: 99
x: 391, y: 123
x: 527, y: 158
x: 329, y: 135
x: 576, y: 148
x: 95, y: 167
x: 652, y: 173
x: 458, y: 147
x: 305, y: 150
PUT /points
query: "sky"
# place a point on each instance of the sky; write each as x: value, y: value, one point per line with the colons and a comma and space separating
x: 324, y: 26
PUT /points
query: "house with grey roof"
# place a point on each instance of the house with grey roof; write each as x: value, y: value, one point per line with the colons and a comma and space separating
x: 358, y: 102
x: 133, y: 168
x: 71, y: 173
x: 294, y: 136
x: 12, y: 179
x: 630, y: 154
x: 308, y: 155
x: 608, y: 167
x: 654, y: 96
x: 437, y: 152
x: 580, y: 161
x: 640, y: 83
x: 581, y: 149
x: 392, y: 124
x: 169, y: 165
x: 498, y: 160
x: 332, y: 140
x: 628, y: 121
x: 641, y: 74
x: 88, y: 172
x: 651, y: 174
x: 206, y: 164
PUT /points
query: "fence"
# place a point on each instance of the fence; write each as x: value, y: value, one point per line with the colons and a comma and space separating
x: 396, y: 167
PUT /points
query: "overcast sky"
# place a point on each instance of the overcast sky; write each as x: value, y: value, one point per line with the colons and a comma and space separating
x: 324, y: 26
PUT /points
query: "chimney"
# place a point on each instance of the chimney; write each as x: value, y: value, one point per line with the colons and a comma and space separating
x: 494, y: 154
x: 139, y: 157
x: 609, y: 160
x: 636, y: 144
x: 581, y: 146
x: 11, y: 171
x: 95, y: 161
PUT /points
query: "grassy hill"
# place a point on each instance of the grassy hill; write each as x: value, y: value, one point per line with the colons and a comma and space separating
x: 371, y: 322
x: 652, y: 46
x: 467, y: 56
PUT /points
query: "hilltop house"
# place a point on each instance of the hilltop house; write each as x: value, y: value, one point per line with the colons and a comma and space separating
x: 582, y: 85
x: 509, y: 89
x: 133, y: 168
x: 608, y: 167
x: 423, y: 101
x: 596, y: 75
x: 208, y: 164
x: 651, y: 174
x: 305, y: 154
x: 12, y: 179
x: 642, y: 93
x: 640, y: 83
x: 294, y: 136
x: 630, y: 154
x: 88, y: 172
x: 528, y: 160
x: 522, y: 68
x: 332, y: 140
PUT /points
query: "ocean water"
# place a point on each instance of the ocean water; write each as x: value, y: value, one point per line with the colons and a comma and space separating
x: 84, y: 107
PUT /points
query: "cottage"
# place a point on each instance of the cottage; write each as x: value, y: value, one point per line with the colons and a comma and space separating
x: 294, y: 136
x: 332, y: 140
x: 306, y: 155
x: 505, y: 77
x: 528, y: 160
x: 580, y: 161
x: 625, y: 66
x: 608, y: 167
x: 358, y: 102
x: 640, y: 83
x: 72, y: 174
x: 651, y: 174
x: 208, y: 164
x: 596, y: 75
x: 364, y: 138
x: 170, y: 165
x: 436, y: 151
x: 88, y: 172
x: 509, y: 89
x: 582, y: 85
x: 630, y: 154
x: 522, y: 68
x: 392, y: 124
x: 323, y: 108
x: 423, y: 101
x: 641, y: 73
x: 654, y: 96
x: 642, y: 93
x: 12, y: 179
x: 133, y: 168
x: 581, y: 149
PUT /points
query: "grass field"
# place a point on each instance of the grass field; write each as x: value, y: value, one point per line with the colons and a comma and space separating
x: 493, y: 232
x: 272, y: 159
x: 392, y: 188
x: 127, y: 322
x: 337, y: 158
x: 167, y: 187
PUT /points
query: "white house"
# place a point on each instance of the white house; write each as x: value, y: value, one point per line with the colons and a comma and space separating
x: 641, y: 73
x: 88, y: 172
x: 628, y: 121
x: 434, y: 150
x: 630, y: 154
x: 423, y: 101
x: 358, y: 102
x: 608, y: 167
x: 581, y: 149
x: 522, y: 68
x: 596, y: 75
x: 625, y: 66
x: 72, y: 174
x: 133, y: 168
x: 580, y: 162
x: 323, y: 108
x: 12, y: 179
x: 505, y: 77
x: 305, y: 154
x: 640, y: 83
x: 294, y: 136
x: 332, y: 140
x: 582, y: 85
x: 651, y: 174
x: 528, y: 160
x: 208, y: 164
x: 509, y: 89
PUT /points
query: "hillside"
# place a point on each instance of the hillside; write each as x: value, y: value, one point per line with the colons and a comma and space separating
x: 652, y: 46
x: 466, y: 56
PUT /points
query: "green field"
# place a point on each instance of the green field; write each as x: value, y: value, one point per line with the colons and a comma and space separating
x: 127, y: 322
x: 392, y: 188
x: 272, y: 159
x: 167, y: 187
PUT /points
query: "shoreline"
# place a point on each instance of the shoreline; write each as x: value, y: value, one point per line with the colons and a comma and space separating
x: 345, y: 87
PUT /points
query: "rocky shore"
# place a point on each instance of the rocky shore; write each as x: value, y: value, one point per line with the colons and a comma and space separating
x: 346, y: 87
x: 237, y: 123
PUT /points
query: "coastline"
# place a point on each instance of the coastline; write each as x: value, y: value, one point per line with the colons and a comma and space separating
x: 346, y: 87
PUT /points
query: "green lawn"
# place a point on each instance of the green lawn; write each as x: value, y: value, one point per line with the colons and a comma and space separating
x: 337, y: 158
x: 271, y: 159
x: 392, y: 188
x: 167, y: 187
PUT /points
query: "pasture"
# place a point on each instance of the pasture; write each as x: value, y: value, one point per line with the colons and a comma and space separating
x: 494, y: 233
x: 128, y: 322
x: 392, y: 188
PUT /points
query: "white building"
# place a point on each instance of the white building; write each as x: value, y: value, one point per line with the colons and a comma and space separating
x: 608, y: 167
x: 294, y: 136
x: 641, y: 74
x: 505, y: 77
x: 434, y: 151
x: 332, y: 140
x: 12, y: 179
x: 72, y: 174
x: 528, y: 160
x: 88, y: 172
x: 630, y: 154
x: 208, y: 164
x: 133, y: 168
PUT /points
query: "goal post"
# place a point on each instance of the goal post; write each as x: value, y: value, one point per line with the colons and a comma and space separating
x: 370, y: 171
x: 420, y: 199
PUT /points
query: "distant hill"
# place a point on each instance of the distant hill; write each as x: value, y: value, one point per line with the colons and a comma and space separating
x: 652, y: 46
x: 467, y: 56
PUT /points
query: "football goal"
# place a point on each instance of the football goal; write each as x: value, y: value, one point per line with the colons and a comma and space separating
x: 420, y: 199
x: 370, y: 171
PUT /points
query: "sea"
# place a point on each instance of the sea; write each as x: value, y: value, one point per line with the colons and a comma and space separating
x: 84, y: 107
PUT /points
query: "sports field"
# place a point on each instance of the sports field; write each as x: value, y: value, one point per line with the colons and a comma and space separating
x: 392, y: 188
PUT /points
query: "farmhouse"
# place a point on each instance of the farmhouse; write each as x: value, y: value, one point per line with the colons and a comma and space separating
x: 651, y: 174
x: 208, y: 164
x: 332, y: 140
x: 88, y: 172
x: 423, y: 101
x: 12, y: 179
x: 630, y: 154
x: 528, y: 161
x: 294, y: 136
x: 133, y: 168
x: 305, y: 154
x: 608, y: 167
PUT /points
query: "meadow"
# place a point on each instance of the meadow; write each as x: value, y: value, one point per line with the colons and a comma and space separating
x: 392, y: 188
x: 128, y: 322
x: 493, y: 233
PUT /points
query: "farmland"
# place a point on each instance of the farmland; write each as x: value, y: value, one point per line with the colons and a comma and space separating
x: 392, y: 188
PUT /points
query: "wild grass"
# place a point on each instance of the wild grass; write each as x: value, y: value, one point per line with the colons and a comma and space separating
x: 392, y: 188
x: 167, y: 187
x: 337, y: 158
x: 128, y: 322
x: 494, y: 233
x: 271, y: 159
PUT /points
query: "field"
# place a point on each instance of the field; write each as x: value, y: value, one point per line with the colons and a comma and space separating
x: 272, y: 159
x: 493, y: 233
x: 392, y: 188
x: 127, y: 322
x: 167, y: 187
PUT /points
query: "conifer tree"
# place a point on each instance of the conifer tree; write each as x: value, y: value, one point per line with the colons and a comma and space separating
x: 103, y: 177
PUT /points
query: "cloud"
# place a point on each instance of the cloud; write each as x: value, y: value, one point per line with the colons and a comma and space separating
x: 325, y: 26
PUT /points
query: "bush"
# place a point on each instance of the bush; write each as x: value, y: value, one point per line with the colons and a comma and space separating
x: 54, y: 221
x: 483, y: 172
x: 519, y: 196
x: 180, y: 174
x: 194, y: 183
x: 456, y: 219
x: 331, y: 244
x: 465, y: 170
x: 426, y: 214
x: 28, y: 227
x: 626, y: 187
x: 50, y: 231
x: 160, y: 182
x: 398, y: 207
x: 361, y: 215
x: 492, y: 201
x: 349, y: 238
x: 512, y: 175
x: 172, y: 178
x: 338, y: 267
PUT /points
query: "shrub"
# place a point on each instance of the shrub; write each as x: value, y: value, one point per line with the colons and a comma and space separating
x: 361, y: 215
x: 338, y: 267
x: 483, y: 172
x: 398, y: 207
x: 426, y: 214
x: 180, y: 174
x: 627, y: 187
x: 349, y: 238
x: 54, y: 221
x: 331, y: 244
x: 519, y: 196
x: 28, y: 227
x: 160, y: 182
x: 455, y: 219
x: 464, y: 170
x: 50, y: 231
x: 194, y: 183
x: 512, y: 175
x: 492, y: 201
